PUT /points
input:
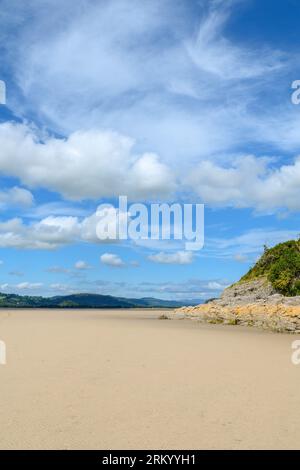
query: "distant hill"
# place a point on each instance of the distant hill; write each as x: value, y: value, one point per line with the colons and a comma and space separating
x: 280, y: 266
x: 83, y: 301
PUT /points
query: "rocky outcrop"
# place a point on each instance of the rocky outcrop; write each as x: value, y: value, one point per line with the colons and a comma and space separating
x: 243, y: 293
x: 254, y: 303
x: 259, y: 291
x: 267, y: 296
x: 277, y: 317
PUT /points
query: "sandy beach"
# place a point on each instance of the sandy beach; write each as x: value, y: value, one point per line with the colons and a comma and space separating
x: 84, y: 379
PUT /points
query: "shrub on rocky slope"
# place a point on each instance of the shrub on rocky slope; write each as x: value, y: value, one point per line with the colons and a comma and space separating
x: 280, y: 265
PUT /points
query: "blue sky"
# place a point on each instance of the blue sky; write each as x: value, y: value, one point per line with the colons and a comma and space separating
x: 157, y: 100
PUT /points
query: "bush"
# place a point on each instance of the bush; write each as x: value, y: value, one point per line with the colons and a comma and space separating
x: 281, y: 266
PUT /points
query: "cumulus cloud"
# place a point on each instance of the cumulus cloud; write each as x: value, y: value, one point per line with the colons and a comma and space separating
x: 180, y: 257
x: 56, y: 231
x: 49, y: 233
x: 111, y: 259
x: 248, y: 181
x: 24, y: 288
x: 88, y: 164
x: 245, y: 182
x: 16, y: 196
x: 82, y: 265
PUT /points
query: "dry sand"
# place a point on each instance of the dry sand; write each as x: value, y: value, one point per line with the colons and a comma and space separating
x: 124, y: 379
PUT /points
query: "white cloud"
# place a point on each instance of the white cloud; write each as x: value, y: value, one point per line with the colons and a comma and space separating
x: 111, y: 259
x: 54, y: 231
x: 29, y: 285
x: 89, y: 164
x: 16, y: 196
x: 55, y: 208
x: 48, y: 233
x: 180, y: 257
x: 217, y: 55
x: 248, y: 182
x: 82, y: 265
x: 245, y: 182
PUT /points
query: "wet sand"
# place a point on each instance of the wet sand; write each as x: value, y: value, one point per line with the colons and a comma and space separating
x: 119, y: 379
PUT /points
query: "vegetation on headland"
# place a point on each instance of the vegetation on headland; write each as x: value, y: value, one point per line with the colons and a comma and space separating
x: 279, y: 265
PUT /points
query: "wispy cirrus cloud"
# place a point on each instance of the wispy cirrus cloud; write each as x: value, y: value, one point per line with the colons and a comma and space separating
x: 215, y: 54
x: 248, y: 245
